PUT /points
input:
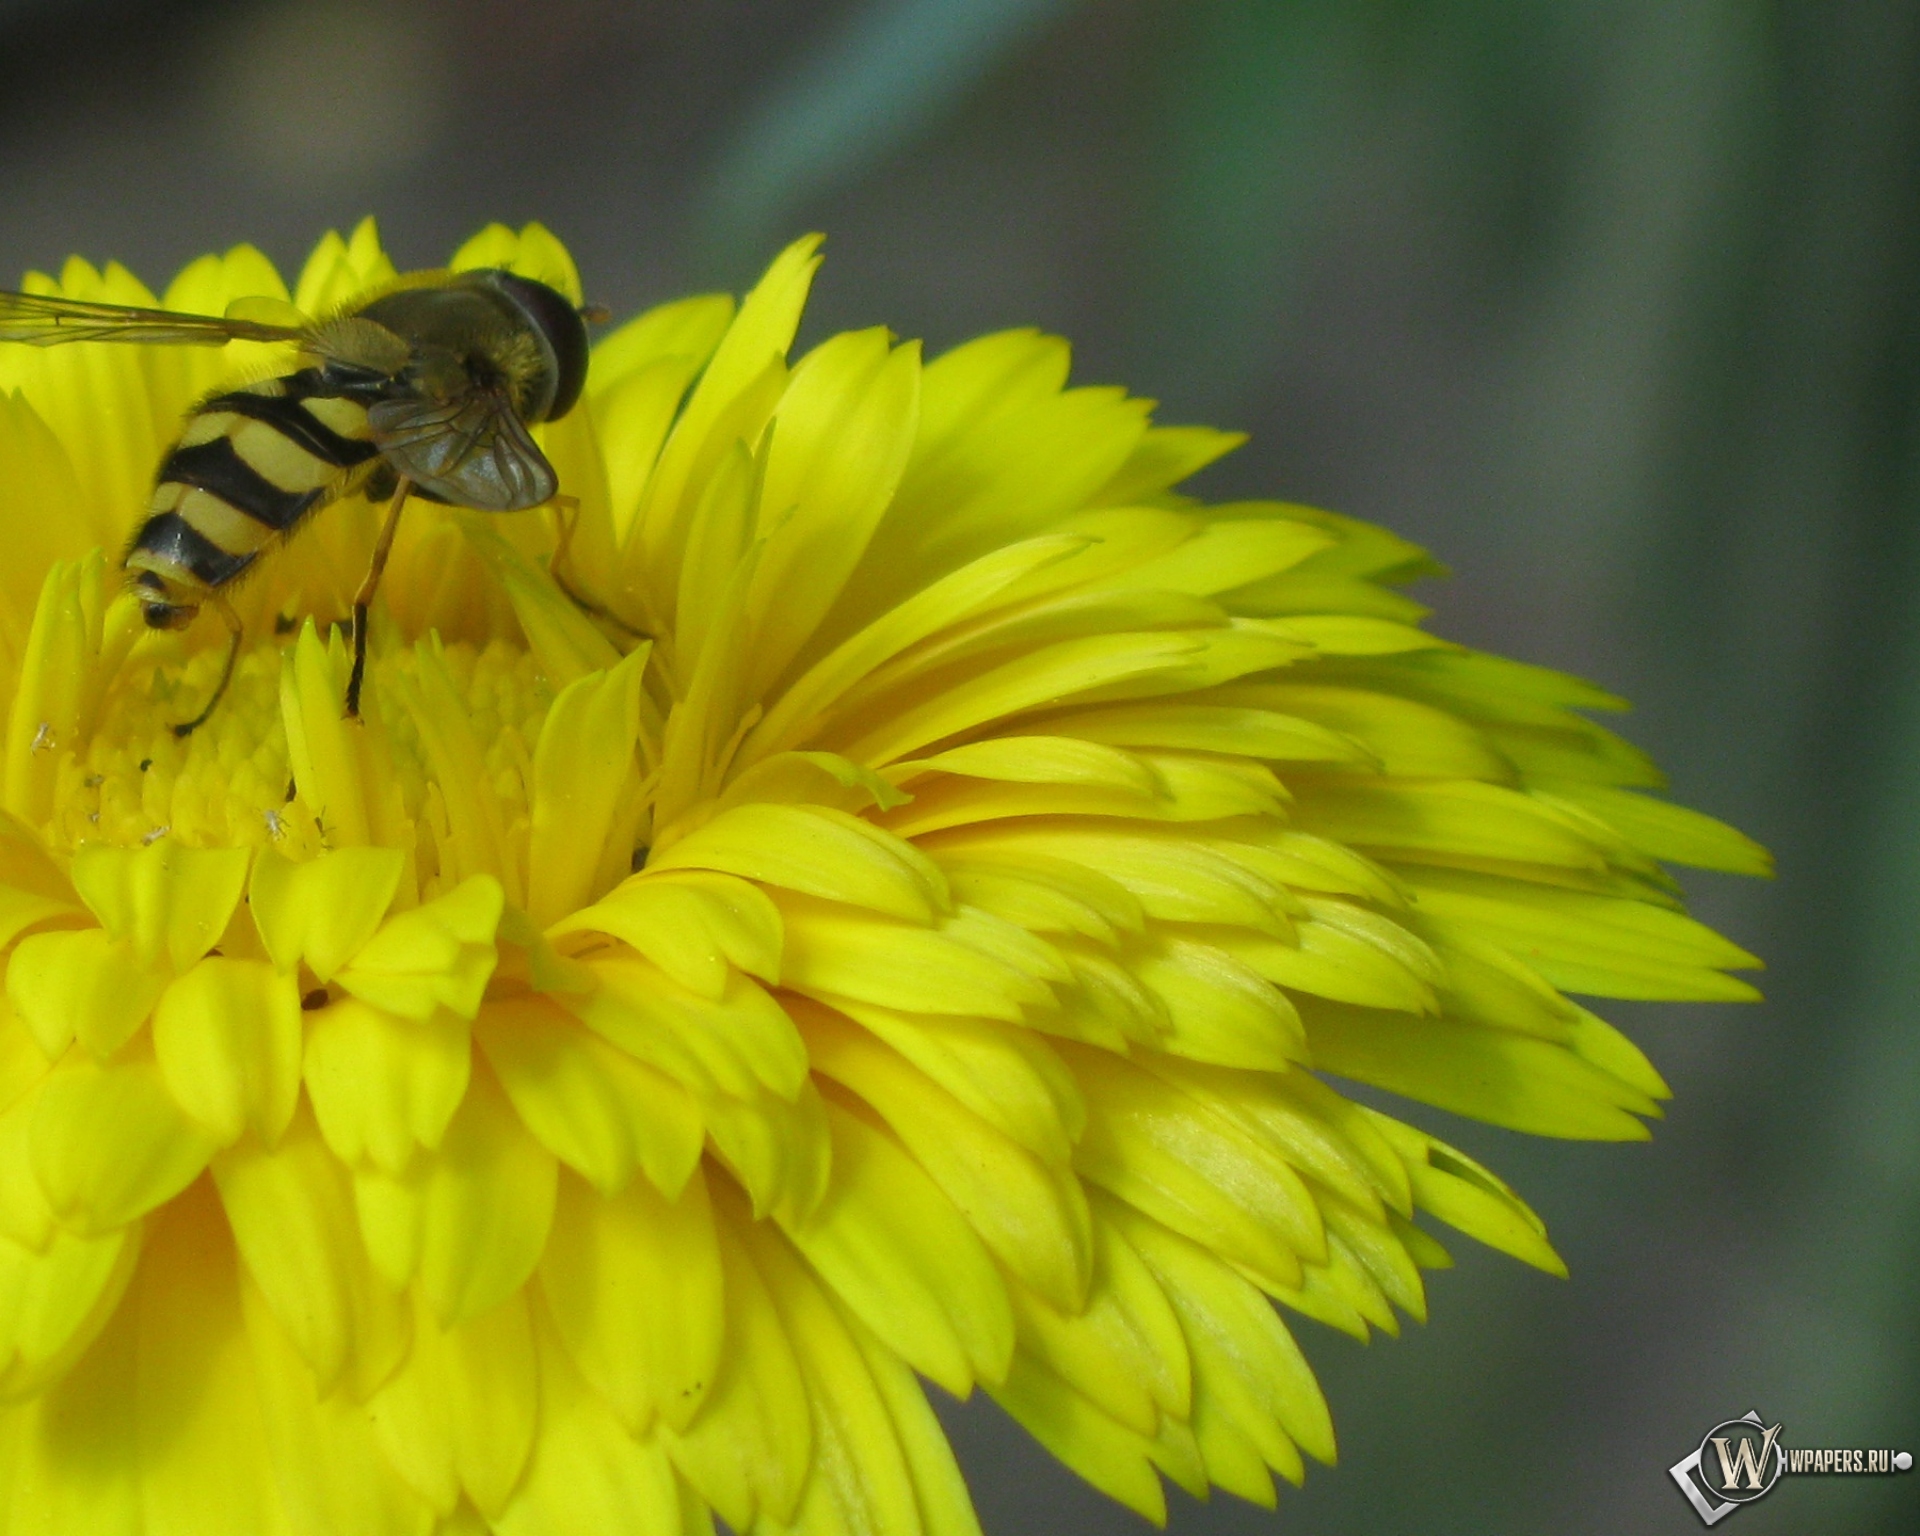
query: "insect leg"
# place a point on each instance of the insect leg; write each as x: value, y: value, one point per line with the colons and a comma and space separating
x: 382, y: 547
x: 566, y: 512
x: 225, y: 610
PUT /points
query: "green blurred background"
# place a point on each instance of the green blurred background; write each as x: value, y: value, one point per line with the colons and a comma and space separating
x: 1616, y: 307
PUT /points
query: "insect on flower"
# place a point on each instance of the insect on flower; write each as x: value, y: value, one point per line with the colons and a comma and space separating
x: 596, y: 1094
x: 425, y: 389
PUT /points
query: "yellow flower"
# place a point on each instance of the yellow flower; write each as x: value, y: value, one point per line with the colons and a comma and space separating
x: 585, y: 1094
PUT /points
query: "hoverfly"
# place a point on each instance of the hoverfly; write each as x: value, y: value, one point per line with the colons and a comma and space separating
x: 424, y: 389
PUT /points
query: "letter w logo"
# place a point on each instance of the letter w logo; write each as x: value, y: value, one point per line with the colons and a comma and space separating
x: 1745, y: 1461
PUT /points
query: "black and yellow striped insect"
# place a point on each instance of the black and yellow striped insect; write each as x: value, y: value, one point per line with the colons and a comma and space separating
x: 424, y: 389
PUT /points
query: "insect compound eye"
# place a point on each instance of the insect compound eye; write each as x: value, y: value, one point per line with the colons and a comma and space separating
x: 560, y: 327
x: 166, y: 615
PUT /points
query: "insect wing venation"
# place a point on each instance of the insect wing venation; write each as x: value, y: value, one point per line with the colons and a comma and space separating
x: 47, y: 320
x: 473, y: 451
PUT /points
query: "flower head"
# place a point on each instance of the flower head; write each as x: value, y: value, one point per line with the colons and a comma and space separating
x: 584, y: 1093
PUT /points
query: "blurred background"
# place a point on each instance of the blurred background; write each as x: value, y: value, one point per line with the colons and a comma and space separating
x: 1615, y: 307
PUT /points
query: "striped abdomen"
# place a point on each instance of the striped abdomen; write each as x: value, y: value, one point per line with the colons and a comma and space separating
x: 250, y: 465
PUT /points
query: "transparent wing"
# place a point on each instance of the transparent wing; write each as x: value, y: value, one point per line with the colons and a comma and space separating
x: 472, y: 452
x: 44, y: 320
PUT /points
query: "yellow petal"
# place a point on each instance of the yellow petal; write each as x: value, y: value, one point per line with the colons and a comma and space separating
x: 946, y: 1509
x: 1495, y: 1075
x: 67, y: 984
x: 1044, y: 894
x: 204, y: 1466
x: 1341, y: 634
x: 1438, y: 819
x: 1375, y: 1247
x: 1121, y: 1346
x: 956, y: 596
x: 739, y: 1043
x: 1107, y: 1005
x: 1405, y: 737
x: 1041, y: 760
x: 459, y: 1415
x: 896, y: 1251
x: 816, y: 851
x: 227, y: 1036
x: 1004, y: 1074
x: 328, y: 1462
x: 640, y: 374
x: 476, y: 842
x: 1219, y: 1009
x: 1589, y: 943
x: 658, y: 1357
x: 693, y: 924
x: 1171, y: 1157
x: 1466, y: 1195
x: 1303, y: 1123
x: 439, y: 955
x: 1226, y: 553
x: 683, y: 328
x: 170, y: 903
x: 532, y: 252
x: 737, y: 374
x: 340, y: 766
x: 42, y: 502
x: 841, y: 436
x: 339, y: 269
x: 581, y: 765
x: 778, y: 1151
x: 1670, y: 832
x: 1243, y: 1356
x: 53, y: 1304
x: 1032, y: 1215
x: 1003, y: 453
x: 486, y: 1199
x: 561, y: 637
x: 292, y: 1214
x: 811, y: 778
x: 1597, y: 1041
x: 383, y: 1087
x: 859, y: 1479
x: 1114, y: 1458
x: 1174, y: 877
x: 1183, y: 788
x: 109, y: 1143
x: 831, y: 954
x: 71, y: 1454
x: 1164, y: 457
x: 25, y: 1216
x: 1249, y: 732
x: 391, y: 1211
x: 586, y: 1473
x: 323, y: 911
x: 595, y: 1108
x: 1046, y: 675
x: 32, y: 888
x: 749, y: 1447
x: 56, y: 681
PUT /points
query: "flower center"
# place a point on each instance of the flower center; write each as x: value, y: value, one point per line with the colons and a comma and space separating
x: 233, y: 781
x: 134, y: 780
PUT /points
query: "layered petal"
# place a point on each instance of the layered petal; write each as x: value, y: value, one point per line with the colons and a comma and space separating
x: 873, y: 883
